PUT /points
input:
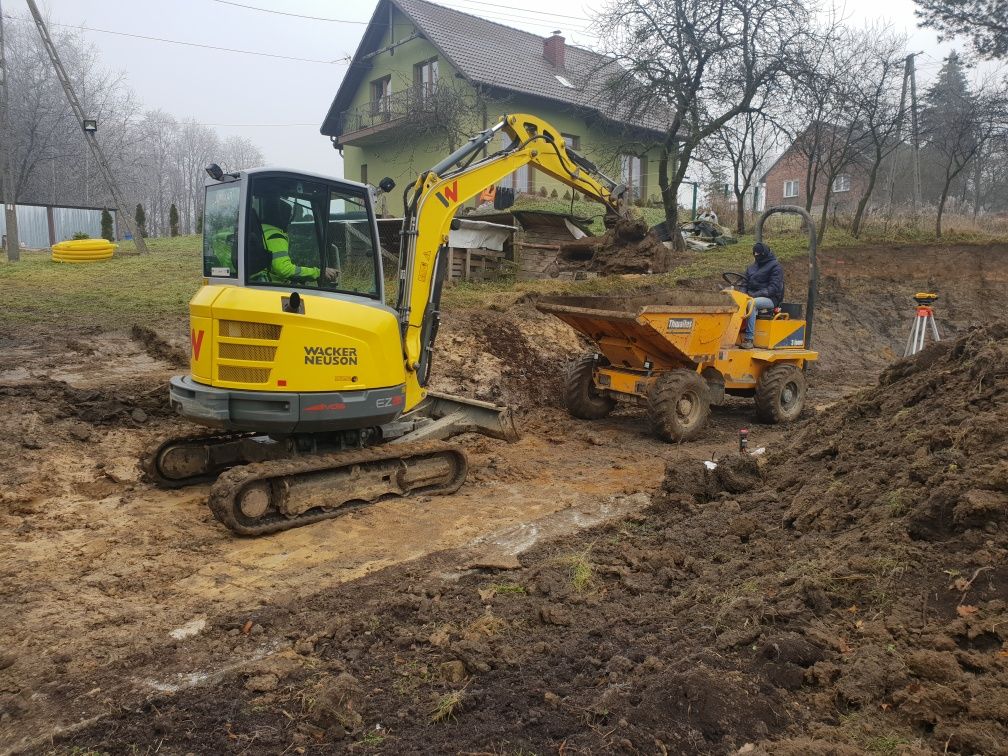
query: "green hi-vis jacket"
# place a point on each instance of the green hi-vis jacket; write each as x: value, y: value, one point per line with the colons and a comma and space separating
x: 281, y: 266
x: 222, y: 246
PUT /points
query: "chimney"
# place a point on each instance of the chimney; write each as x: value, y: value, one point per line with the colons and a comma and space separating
x: 553, y: 50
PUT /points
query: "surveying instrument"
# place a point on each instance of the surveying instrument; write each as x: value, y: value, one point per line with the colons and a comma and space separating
x: 923, y: 323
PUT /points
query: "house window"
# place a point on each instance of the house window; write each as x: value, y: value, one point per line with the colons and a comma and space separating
x: 380, y: 91
x: 363, y: 173
x: 572, y: 140
x: 790, y: 188
x: 842, y: 183
x: 523, y: 179
x: 425, y: 76
x: 631, y: 174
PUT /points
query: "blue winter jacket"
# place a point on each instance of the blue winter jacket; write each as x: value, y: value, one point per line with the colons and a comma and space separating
x: 765, y: 278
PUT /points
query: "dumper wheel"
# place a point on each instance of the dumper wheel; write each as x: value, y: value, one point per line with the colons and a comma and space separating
x: 780, y: 394
x: 583, y: 400
x: 678, y: 405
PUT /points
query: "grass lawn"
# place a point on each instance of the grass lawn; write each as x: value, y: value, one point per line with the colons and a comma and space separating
x: 131, y: 288
x: 127, y: 289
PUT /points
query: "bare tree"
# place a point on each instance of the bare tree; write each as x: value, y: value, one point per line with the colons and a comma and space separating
x: 160, y: 161
x: 688, y: 67
x: 744, y: 145
x: 831, y: 137
x: 958, y: 129
x: 238, y: 153
x: 878, y: 105
x: 195, y: 148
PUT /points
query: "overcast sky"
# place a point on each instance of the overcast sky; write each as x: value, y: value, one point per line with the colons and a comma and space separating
x: 280, y: 103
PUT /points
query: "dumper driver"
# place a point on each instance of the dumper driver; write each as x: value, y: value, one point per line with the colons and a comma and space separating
x: 765, y: 284
x: 276, y: 218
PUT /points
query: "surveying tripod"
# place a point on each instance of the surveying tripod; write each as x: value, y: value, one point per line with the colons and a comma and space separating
x: 923, y: 323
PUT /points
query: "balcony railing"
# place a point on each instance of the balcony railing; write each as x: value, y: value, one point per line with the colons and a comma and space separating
x: 418, y: 101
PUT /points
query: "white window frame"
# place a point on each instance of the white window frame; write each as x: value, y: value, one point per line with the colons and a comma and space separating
x: 791, y: 189
x: 381, y: 91
x: 425, y: 76
x: 521, y: 179
x: 841, y: 183
x: 631, y: 175
x: 572, y: 140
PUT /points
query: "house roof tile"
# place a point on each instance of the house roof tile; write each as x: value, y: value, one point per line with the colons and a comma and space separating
x: 493, y: 55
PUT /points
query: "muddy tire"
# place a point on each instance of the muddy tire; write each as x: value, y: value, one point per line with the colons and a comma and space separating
x: 581, y: 397
x: 678, y: 405
x: 780, y: 394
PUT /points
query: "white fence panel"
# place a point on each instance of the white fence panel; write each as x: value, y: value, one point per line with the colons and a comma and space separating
x: 33, y: 226
x: 71, y: 220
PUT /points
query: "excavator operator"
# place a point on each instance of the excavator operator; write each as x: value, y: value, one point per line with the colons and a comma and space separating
x: 276, y: 218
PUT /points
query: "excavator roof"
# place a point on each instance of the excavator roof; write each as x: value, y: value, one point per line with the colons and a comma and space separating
x: 276, y: 169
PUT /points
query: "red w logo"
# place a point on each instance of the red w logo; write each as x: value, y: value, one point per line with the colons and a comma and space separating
x: 451, y: 192
x: 196, y: 339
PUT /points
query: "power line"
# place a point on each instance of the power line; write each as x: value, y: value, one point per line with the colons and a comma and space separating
x: 512, y: 8
x: 294, y: 15
x: 512, y: 12
x: 345, y: 59
x: 256, y: 125
x: 510, y: 20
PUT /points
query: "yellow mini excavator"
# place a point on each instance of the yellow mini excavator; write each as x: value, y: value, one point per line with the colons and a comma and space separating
x: 317, y: 387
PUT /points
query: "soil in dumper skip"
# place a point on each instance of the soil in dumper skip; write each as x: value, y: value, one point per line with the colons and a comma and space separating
x: 845, y: 595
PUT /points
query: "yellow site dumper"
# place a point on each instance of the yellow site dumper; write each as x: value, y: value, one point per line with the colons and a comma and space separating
x: 680, y: 352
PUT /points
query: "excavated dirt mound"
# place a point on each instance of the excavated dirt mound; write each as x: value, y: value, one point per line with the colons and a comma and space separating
x: 628, y: 247
x: 843, y: 594
x: 516, y: 357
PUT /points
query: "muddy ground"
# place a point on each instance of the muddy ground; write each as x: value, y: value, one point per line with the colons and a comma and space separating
x: 571, y: 597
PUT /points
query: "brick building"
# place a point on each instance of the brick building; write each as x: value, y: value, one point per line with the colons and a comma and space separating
x: 785, y: 180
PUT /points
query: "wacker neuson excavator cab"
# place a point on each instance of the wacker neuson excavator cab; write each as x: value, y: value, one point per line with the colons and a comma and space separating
x: 296, y: 357
x: 680, y: 353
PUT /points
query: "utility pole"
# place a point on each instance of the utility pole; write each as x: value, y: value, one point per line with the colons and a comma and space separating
x: 88, y: 127
x: 913, y: 126
x: 899, y: 127
x: 6, y: 141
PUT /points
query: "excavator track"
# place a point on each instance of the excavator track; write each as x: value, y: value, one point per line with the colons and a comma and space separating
x: 268, y: 497
x: 189, y: 460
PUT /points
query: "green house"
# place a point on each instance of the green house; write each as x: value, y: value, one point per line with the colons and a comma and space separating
x: 425, y: 77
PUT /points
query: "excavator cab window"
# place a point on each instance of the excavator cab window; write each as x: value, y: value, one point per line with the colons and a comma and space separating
x: 311, y: 234
x: 220, y: 231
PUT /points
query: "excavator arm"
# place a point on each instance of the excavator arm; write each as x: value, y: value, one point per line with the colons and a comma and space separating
x: 431, y: 203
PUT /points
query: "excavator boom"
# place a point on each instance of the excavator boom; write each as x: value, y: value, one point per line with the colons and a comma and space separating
x: 431, y: 204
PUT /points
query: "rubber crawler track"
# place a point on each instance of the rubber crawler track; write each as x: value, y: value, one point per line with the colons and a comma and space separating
x: 223, y: 499
x: 152, y: 455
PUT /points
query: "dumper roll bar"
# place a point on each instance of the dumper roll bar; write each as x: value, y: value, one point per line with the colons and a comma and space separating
x: 813, y: 283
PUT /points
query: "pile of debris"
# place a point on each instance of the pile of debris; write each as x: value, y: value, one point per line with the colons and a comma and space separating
x: 626, y: 247
x: 699, y: 235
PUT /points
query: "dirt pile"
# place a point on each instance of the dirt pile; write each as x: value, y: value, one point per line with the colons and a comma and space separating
x: 880, y: 531
x: 49, y: 406
x: 517, y: 357
x: 627, y: 247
